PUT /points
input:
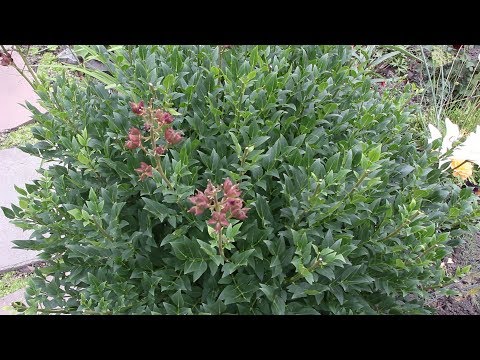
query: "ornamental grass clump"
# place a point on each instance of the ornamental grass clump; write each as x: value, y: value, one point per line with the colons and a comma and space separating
x: 234, y: 180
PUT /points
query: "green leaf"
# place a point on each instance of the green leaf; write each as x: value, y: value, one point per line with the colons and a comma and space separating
x: 157, y: 209
x: 240, y: 258
x: 168, y: 81
x: 337, y: 291
x: 173, y: 112
x: 20, y: 191
x: 332, y: 163
x: 238, y: 148
x: 382, y: 58
x: 263, y: 209
x: 197, y: 267
x: 83, y: 159
x: 260, y: 140
x: 375, y: 153
x: 76, y: 213
x: 8, y: 213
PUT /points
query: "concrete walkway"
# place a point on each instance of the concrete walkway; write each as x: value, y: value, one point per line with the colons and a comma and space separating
x: 18, y: 168
x: 14, y: 90
x: 9, y: 299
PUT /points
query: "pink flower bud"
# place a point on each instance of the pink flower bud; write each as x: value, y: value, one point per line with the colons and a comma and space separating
x: 130, y: 145
x: 163, y: 117
x: 210, y: 191
x: 240, y: 214
x: 159, y: 150
x: 200, y: 199
x: 145, y: 170
x: 134, y: 138
x: 219, y: 220
x: 196, y: 210
x: 233, y: 203
x: 172, y: 137
x: 230, y: 190
x: 138, y: 108
x: 201, y: 202
x: 5, y: 59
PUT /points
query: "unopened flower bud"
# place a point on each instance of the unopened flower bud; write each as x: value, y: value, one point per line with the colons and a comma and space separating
x: 219, y: 220
x: 229, y: 189
x: 159, y: 150
x: 145, y: 170
x: 163, y: 117
x: 172, y: 137
x: 134, y: 138
x: 5, y: 59
x: 139, y: 108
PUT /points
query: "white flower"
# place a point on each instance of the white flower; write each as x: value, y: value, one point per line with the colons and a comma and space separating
x: 434, y: 133
x: 470, y: 148
x: 464, y: 155
x: 452, y: 135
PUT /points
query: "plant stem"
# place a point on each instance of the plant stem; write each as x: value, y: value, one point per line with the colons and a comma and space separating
x: 456, y: 167
x: 18, y: 69
x: 398, y: 229
x: 34, y: 75
x: 162, y: 173
x: 357, y: 184
x: 157, y: 157
x: 297, y: 276
x: 220, y: 56
x: 53, y: 311
x: 102, y: 230
x: 220, y: 245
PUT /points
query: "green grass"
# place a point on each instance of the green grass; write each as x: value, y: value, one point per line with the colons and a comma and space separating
x: 467, y: 115
x: 21, y: 136
x: 11, y: 282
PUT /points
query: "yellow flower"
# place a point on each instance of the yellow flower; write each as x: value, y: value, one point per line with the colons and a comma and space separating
x: 467, y: 150
x: 464, y: 171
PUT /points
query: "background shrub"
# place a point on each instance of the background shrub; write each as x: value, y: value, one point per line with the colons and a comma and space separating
x: 347, y: 214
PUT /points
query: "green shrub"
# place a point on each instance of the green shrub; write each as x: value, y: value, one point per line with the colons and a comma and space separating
x: 346, y: 215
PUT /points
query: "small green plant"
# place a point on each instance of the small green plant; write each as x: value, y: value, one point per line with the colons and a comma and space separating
x: 21, y: 136
x: 84, y: 54
x: 250, y: 180
x: 11, y: 282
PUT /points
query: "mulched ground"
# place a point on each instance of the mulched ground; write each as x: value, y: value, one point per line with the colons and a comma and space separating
x: 28, y: 269
x: 468, y: 300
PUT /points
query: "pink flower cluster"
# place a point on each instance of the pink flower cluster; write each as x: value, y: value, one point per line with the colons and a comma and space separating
x: 158, y: 124
x: 163, y: 117
x: 139, y: 108
x: 134, y: 139
x: 145, y: 170
x: 229, y: 206
x: 172, y: 137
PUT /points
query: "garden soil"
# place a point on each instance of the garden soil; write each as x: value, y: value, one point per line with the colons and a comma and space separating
x: 467, y: 302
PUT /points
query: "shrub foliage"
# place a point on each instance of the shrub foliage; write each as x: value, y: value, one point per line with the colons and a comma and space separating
x: 344, y: 214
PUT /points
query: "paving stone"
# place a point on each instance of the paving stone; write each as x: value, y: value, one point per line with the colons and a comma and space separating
x: 18, y: 168
x: 15, y: 90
